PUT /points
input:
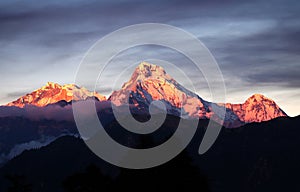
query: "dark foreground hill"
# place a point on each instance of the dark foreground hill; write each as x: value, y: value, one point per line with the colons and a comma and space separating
x: 256, y: 157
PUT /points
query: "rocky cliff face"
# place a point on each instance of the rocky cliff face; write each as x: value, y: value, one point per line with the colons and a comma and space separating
x: 256, y: 108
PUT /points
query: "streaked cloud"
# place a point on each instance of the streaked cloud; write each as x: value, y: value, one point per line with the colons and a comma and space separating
x: 256, y: 43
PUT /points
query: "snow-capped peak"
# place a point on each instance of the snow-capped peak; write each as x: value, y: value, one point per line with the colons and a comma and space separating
x: 145, y: 70
x: 257, y: 98
x: 151, y: 82
x: 53, y: 93
x: 256, y: 108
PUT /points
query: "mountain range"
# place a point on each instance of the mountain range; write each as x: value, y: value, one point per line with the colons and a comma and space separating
x: 40, y: 147
x: 37, y: 118
x: 149, y: 83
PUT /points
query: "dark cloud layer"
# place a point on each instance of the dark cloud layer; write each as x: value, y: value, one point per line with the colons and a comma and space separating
x: 270, y: 56
x: 254, y: 42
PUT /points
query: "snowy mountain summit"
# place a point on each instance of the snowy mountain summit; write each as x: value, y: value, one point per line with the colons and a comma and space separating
x: 52, y: 93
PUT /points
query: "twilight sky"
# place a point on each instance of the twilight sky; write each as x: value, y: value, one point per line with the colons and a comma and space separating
x: 256, y: 43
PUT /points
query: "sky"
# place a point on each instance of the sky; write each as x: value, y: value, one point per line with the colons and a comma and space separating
x: 255, y: 43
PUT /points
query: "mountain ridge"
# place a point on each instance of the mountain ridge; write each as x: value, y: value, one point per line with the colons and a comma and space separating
x: 52, y: 93
x: 265, y: 155
x: 151, y: 82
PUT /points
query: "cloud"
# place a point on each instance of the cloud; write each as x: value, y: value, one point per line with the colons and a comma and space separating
x: 16, y: 94
x: 271, y: 56
x: 254, y: 42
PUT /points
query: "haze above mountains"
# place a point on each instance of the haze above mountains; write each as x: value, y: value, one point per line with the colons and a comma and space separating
x: 148, y: 83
